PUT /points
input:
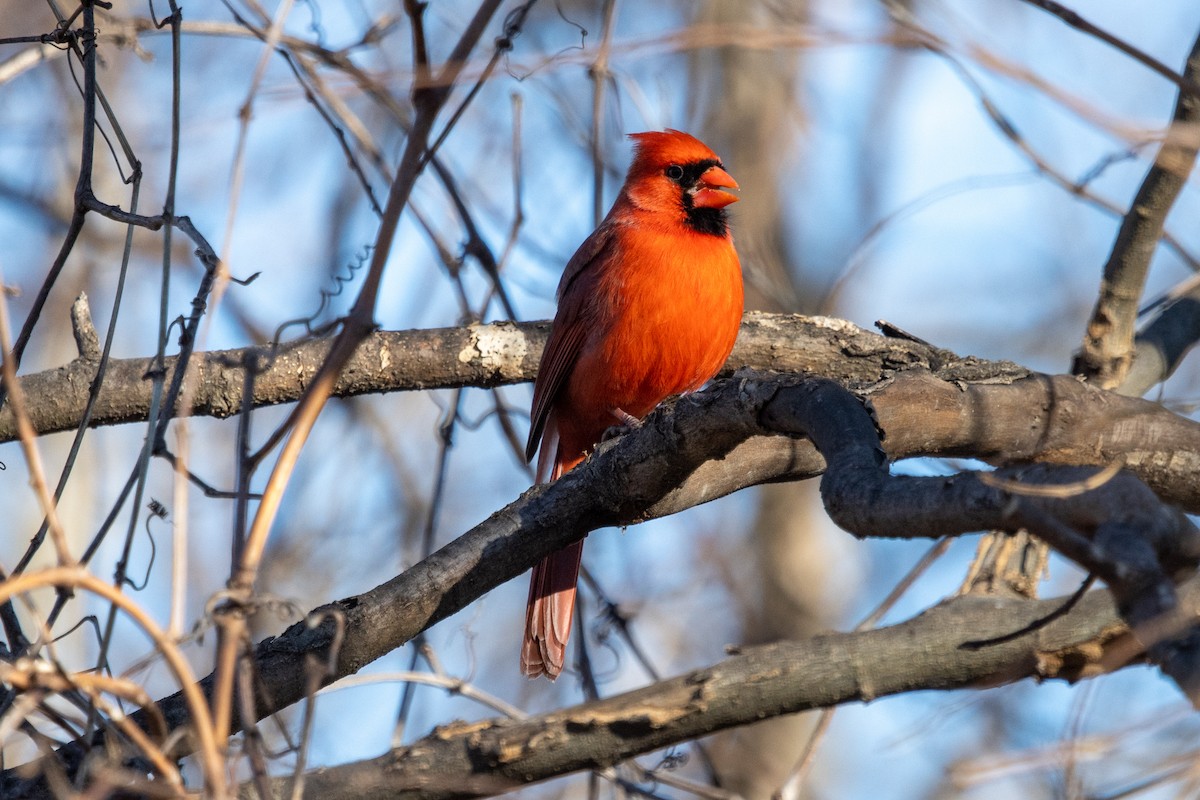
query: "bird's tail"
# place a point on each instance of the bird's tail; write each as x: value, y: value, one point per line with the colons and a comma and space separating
x: 549, y: 612
x: 551, y: 605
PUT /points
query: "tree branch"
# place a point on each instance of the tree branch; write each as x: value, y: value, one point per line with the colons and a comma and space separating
x: 1161, y: 345
x: 477, y: 355
x: 1108, y: 347
x: 1186, y: 83
x: 931, y: 651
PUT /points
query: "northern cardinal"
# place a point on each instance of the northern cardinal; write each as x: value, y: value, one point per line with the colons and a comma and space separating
x: 649, y: 306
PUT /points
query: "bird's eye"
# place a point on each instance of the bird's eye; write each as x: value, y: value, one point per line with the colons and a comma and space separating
x: 674, y: 172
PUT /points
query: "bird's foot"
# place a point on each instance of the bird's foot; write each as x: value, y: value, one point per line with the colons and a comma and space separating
x: 626, y: 422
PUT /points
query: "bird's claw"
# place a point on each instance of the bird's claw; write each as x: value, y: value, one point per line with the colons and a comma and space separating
x: 626, y: 422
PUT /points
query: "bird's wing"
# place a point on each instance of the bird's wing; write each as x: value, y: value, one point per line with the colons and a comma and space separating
x: 570, y: 326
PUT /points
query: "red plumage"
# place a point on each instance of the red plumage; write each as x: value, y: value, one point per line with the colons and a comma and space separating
x: 649, y: 306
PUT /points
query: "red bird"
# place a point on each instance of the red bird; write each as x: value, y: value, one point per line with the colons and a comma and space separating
x: 649, y: 306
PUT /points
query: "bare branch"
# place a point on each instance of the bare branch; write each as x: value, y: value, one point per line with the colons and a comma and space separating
x: 1186, y: 83
x: 483, y: 356
x: 930, y: 651
x: 1108, y: 348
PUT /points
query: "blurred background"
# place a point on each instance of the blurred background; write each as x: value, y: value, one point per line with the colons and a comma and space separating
x: 904, y: 161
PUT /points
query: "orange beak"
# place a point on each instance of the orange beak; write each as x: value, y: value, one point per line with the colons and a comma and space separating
x: 711, y: 192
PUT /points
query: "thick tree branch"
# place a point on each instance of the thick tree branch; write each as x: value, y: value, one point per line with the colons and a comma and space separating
x: 478, y: 355
x: 935, y: 650
x: 1053, y: 419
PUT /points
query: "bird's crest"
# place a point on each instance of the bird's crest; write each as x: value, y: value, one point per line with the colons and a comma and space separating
x: 656, y: 149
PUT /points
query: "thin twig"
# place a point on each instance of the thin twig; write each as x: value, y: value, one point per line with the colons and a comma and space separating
x: 1057, y: 490
x: 600, y: 77
x: 453, y: 686
x: 251, y: 736
x: 28, y: 437
x: 78, y: 578
x: 445, y: 443
x: 359, y: 323
x: 83, y: 46
x: 317, y: 673
x: 1186, y: 83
